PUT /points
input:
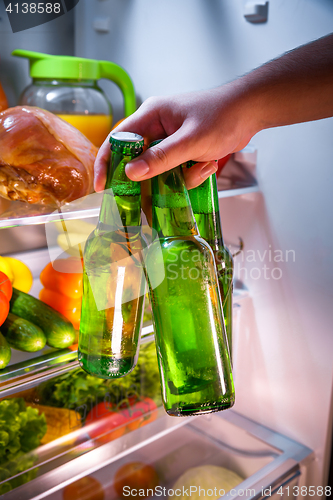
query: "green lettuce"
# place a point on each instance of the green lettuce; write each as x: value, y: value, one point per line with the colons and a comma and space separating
x: 21, y: 430
x: 80, y: 391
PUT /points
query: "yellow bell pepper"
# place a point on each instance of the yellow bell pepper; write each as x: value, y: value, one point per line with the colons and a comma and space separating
x: 6, y: 268
x: 19, y: 273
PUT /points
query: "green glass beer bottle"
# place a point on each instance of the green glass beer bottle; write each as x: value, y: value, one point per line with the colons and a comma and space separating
x: 191, y: 344
x: 205, y: 206
x: 113, y: 273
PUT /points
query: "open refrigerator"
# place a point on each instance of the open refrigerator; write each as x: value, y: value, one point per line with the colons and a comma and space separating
x: 274, y: 196
x: 269, y: 463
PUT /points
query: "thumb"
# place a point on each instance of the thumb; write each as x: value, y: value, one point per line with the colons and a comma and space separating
x: 164, y: 156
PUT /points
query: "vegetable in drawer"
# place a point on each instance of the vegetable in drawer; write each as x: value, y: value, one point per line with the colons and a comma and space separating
x: 5, y: 352
x: 78, y: 390
x: 60, y: 421
x: 18, y: 273
x: 59, y: 332
x: 22, y: 276
x: 65, y: 279
x: 63, y: 288
x: 5, y: 285
x: 6, y: 291
x: 86, y: 488
x: 21, y: 432
x: 213, y: 478
x: 137, y: 476
x: 70, y: 308
x: 4, y: 307
x: 22, y: 334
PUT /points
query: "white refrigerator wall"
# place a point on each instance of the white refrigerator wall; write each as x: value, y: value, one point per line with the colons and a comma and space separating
x: 283, y: 362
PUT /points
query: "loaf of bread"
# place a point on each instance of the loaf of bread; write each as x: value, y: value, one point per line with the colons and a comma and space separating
x: 43, y: 159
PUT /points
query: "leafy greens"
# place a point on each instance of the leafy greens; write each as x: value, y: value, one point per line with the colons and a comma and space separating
x: 80, y: 391
x: 21, y: 429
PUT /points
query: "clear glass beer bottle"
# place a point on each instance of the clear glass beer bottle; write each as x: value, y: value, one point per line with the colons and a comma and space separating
x: 191, y: 343
x: 113, y: 277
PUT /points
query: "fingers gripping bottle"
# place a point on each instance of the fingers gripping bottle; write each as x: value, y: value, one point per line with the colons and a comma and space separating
x: 113, y: 278
x: 205, y: 206
x: 191, y: 343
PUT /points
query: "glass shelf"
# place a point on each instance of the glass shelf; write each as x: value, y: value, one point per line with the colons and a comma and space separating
x: 87, y: 210
x: 238, y: 176
x: 24, y: 375
x: 235, y: 179
x: 23, y: 214
x: 226, y: 193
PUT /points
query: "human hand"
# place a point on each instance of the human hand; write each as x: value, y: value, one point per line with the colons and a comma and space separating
x: 200, y: 126
x: 205, y: 126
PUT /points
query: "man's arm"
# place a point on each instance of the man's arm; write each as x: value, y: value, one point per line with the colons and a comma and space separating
x: 296, y: 87
x: 204, y: 126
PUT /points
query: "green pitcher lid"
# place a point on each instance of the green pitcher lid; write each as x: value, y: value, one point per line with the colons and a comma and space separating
x: 67, y: 67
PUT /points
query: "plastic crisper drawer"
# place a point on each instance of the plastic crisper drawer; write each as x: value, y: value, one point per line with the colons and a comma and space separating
x: 264, y: 459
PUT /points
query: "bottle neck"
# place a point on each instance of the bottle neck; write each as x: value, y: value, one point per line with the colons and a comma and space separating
x: 121, y: 204
x: 172, y: 215
x: 205, y: 206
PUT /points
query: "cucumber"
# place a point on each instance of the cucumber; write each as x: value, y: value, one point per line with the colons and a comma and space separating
x: 5, y: 352
x: 59, y: 332
x: 23, y: 335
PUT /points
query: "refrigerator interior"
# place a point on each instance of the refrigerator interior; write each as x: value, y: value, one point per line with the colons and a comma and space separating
x: 282, y: 359
x: 286, y: 341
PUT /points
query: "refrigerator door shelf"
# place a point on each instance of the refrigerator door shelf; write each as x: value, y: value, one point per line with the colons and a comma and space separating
x: 266, y: 460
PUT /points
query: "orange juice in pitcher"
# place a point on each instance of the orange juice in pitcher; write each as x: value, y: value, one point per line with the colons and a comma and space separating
x: 95, y: 127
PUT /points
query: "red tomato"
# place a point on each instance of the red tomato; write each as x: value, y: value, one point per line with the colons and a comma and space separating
x: 4, y: 307
x: 140, y: 413
x: 112, y: 423
x: 86, y: 488
x: 100, y: 410
x: 128, y: 401
x: 135, y: 475
x: 5, y: 285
